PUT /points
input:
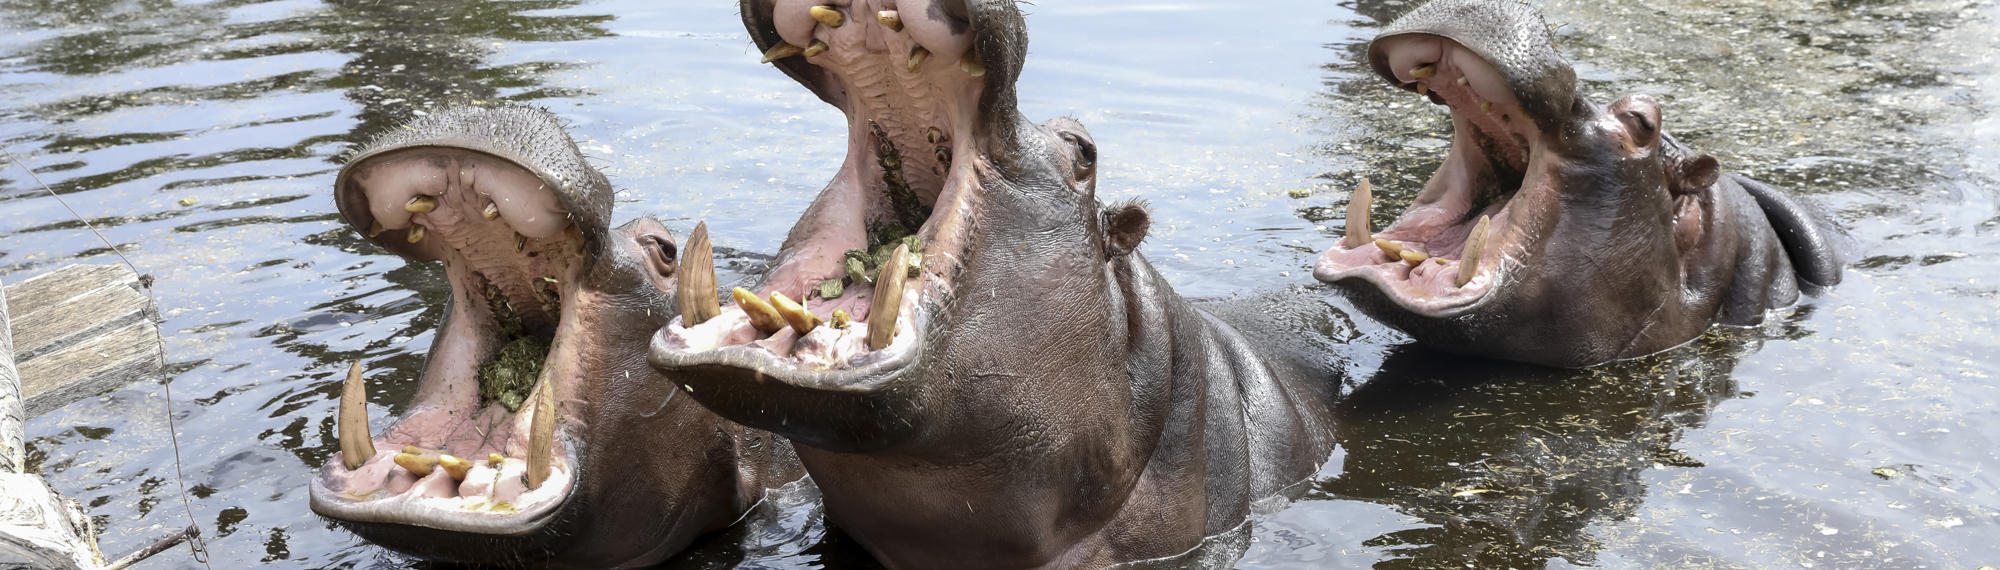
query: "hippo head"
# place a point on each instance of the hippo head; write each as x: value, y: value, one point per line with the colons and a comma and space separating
x: 520, y: 445
x: 1557, y: 231
x: 942, y: 172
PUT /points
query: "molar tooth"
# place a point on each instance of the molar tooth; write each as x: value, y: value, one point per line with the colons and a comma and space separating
x: 421, y: 204
x: 454, y: 466
x: 1475, y: 245
x: 492, y: 211
x: 1485, y: 106
x: 1423, y: 71
x: 829, y: 16
x: 1389, y: 247
x: 419, y: 465
x: 970, y: 63
x: 416, y: 234
x: 840, y: 319
x: 356, y: 444
x: 891, y: 19
x: 888, y: 299
x: 796, y: 315
x: 917, y: 56
x: 1464, y: 81
x: 375, y: 229
x: 832, y: 289
x: 934, y: 135
x: 542, y: 433
x: 696, y: 291
x: 520, y: 243
x: 781, y: 51
x: 762, y: 315
x: 1423, y: 90
x: 1358, y: 225
x: 817, y: 47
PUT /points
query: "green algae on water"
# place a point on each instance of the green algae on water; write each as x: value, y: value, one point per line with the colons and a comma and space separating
x: 511, y: 375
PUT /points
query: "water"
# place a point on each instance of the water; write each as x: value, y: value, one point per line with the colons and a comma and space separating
x: 1754, y: 448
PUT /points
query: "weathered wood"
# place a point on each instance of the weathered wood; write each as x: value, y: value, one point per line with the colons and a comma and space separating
x: 81, y: 331
x: 13, y: 450
x: 39, y: 528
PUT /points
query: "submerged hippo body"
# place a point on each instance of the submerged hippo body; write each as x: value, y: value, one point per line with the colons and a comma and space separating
x: 1559, y: 231
x: 538, y: 435
x: 1031, y: 393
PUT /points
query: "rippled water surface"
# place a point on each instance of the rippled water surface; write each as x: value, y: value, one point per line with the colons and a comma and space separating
x: 202, y: 138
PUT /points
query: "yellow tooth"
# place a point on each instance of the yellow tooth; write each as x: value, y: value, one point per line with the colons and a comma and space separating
x: 375, y: 229
x: 1475, y: 246
x: 414, y: 450
x: 917, y: 56
x: 888, y: 299
x: 1441, y: 261
x: 696, y: 290
x: 1413, y: 257
x: 934, y: 135
x: 455, y: 467
x: 1423, y: 71
x: 832, y: 289
x: 492, y: 211
x: 542, y: 433
x: 356, y: 444
x: 796, y: 315
x: 970, y: 63
x: 1424, y: 90
x: 421, y: 204
x: 419, y: 465
x: 781, y: 51
x: 1358, y: 226
x: 416, y: 234
x: 817, y: 47
x: 840, y: 319
x: 495, y: 459
x: 1389, y: 247
x: 1486, y: 106
x: 1464, y: 81
x: 829, y: 16
x: 891, y: 19
x: 762, y: 315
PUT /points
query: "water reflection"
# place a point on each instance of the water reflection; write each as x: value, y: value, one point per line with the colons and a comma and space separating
x: 1508, y: 465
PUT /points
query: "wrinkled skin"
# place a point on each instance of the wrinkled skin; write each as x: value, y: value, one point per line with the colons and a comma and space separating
x: 639, y: 471
x: 1048, y: 400
x: 1609, y: 239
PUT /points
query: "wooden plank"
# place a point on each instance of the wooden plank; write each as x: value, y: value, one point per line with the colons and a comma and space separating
x: 82, y: 318
x: 92, y: 367
x: 52, y: 289
x: 66, y: 328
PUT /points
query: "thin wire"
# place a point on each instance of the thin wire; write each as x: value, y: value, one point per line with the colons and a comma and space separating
x: 199, y: 546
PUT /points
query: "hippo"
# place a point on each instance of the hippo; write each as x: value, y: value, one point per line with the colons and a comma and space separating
x: 537, y: 435
x: 977, y: 366
x: 1559, y: 231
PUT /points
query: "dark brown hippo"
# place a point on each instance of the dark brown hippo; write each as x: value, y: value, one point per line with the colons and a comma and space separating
x: 1559, y: 231
x: 538, y: 435
x: 977, y: 366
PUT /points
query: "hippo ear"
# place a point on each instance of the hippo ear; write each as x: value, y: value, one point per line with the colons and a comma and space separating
x: 1125, y: 226
x: 1695, y: 174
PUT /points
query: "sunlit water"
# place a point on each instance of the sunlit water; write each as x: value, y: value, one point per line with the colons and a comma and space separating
x: 1243, y: 126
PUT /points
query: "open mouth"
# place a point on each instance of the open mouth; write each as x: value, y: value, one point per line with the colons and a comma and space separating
x: 848, y: 297
x: 479, y: 449
x: 1478, y: 213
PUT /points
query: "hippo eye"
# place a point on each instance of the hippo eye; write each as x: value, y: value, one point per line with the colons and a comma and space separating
x: 665, y: 255
x: 1086, y: 153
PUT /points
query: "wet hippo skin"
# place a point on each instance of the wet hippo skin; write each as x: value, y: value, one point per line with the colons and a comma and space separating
x: 538, y: 436
x: 991, y: 375
x: 1560, y: 231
